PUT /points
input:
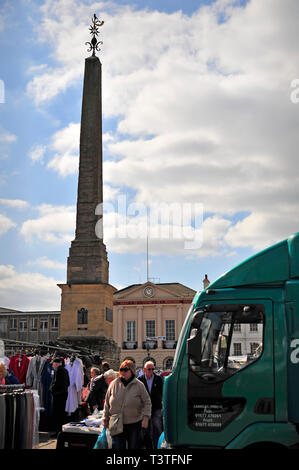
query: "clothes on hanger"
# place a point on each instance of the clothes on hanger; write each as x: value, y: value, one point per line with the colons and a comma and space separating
x: 18, y: 364
x: 74, y: 366
x: 33, y: 376
x: 19, y: 421
x: 47, y: 397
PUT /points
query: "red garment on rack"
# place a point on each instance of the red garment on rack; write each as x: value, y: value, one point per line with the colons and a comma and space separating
x: 18, y: 365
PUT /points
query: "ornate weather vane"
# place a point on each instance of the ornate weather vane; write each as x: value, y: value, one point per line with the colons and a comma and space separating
x: 94, y: 30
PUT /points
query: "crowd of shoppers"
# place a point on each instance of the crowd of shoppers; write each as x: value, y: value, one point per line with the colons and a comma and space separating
x: 137, y: 399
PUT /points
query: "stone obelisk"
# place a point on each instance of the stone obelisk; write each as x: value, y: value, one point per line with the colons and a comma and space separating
x: 87, y: 297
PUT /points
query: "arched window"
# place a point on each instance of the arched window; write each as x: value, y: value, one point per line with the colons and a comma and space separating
x: 82, y: 316
x: 168, y: 363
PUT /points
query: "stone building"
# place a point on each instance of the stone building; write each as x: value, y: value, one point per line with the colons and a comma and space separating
x: 148, y: 319
x: 28, y: 328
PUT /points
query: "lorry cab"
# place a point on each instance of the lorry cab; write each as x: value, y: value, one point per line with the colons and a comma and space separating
x: 235, y: 378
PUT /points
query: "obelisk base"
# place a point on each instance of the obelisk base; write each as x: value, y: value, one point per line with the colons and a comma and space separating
x: 86, y: 310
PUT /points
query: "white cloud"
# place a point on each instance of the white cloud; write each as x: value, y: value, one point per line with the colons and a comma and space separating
x: 46, y: 86
x: 204, y: 110
x: 7, y: 13
x: 55, y: 224
x: 108, y: 137
x: 28, y: 290
x: 6, y: 271
x: 6, y: 137
x: 5, y: 224
x: 64, y: 149
x: 124, y: 233
x: 110, y: 193
x: 14, y: 203
x: 47, y: 263
x: 57, y: 20
x: 260, y: 230
x: 65, y: 146
x: 36, y: 68
x: 37, y: 153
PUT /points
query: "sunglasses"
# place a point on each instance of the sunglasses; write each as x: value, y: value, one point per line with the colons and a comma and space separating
x: 124, y: 369
x: 150, y: 368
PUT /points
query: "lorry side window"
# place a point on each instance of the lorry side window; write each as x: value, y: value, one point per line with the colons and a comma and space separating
x: 228, y: 340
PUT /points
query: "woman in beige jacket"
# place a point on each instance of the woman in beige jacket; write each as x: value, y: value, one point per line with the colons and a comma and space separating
x: 130, y: 394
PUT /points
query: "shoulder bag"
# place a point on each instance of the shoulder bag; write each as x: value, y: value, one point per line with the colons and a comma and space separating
x: 116, y: 425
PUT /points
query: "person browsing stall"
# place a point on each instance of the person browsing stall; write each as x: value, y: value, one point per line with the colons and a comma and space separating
x: 59, y: 390
x: 97, y: 389
x: 7, y: 377
x: 110, y: 375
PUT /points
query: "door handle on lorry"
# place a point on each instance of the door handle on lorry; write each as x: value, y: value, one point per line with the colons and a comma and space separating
x: 208, y: 377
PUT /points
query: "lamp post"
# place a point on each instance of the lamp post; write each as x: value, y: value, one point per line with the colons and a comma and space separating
x: 149, y: 340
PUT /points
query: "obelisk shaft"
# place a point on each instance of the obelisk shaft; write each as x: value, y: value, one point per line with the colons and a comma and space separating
x: 87, y: 262
x: 90, y: 164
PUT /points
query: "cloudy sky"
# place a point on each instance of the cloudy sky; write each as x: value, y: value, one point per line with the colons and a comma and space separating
x: 200, y: 118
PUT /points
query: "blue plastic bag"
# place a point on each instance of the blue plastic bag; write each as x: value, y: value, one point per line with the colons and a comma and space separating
x: 102, y: 442
x: 161, y: 439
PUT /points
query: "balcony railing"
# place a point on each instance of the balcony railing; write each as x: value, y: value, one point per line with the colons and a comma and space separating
x: 150, y: 344
x: 130, y: 345
x: 169, y: 344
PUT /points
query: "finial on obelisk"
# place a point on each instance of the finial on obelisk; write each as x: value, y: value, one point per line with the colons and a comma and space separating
x: 94, y: 30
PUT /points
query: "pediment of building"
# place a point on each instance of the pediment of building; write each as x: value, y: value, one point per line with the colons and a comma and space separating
x: 149, y: 290
x: 146, y: 291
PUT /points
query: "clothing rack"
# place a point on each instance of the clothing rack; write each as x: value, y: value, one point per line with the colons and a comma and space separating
x: 81, y: 351
x: 12, y: 388
x: 20, y: 414
x: 38, y: 345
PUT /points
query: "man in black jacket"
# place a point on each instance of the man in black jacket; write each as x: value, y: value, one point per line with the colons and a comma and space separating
x: 59, y: 390
x: 154, y: 386
x: 97, y: 391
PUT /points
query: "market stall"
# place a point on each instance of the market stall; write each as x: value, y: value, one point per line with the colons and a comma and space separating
x: 82, y: 434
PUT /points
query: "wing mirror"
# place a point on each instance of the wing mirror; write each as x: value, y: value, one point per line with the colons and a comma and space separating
x: 194, y: 342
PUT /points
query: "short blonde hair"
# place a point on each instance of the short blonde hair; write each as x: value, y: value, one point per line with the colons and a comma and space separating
x: 110, y: 374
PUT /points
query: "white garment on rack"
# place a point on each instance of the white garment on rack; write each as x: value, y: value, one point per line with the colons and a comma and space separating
x: 76, y: 375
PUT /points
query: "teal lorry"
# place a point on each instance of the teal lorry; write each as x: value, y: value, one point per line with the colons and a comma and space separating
x: 235, y: 378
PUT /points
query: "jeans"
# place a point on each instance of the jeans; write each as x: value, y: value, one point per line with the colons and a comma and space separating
x: 129, y: 438
x: 157, y: 426
x: 153, y: 432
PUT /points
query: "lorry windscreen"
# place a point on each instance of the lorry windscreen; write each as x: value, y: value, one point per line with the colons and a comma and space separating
x: 224, y: 339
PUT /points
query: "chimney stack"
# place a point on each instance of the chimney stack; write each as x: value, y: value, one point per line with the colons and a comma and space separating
x: 206, y: 282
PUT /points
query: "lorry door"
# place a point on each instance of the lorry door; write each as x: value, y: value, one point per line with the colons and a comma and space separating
x: 230, y: 371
